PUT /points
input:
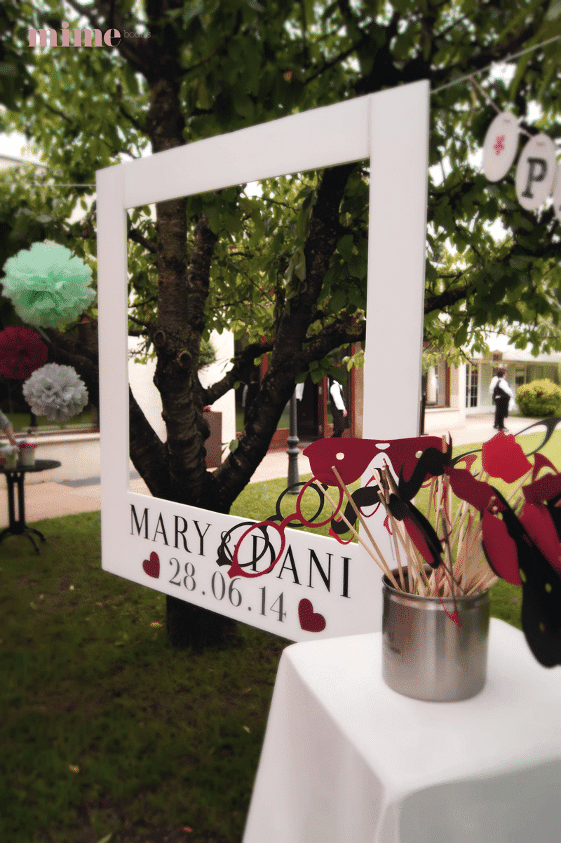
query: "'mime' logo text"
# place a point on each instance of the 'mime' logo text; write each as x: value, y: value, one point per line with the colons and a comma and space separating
x: 92, y: 37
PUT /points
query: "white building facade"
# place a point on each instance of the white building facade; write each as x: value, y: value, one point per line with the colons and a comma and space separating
x: 453, y: 393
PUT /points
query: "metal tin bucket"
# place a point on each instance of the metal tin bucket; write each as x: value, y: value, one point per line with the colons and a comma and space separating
x: 425, y: 654
x: 27, y: 455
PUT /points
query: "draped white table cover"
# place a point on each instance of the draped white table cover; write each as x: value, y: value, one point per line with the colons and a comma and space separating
x: 345, y: 758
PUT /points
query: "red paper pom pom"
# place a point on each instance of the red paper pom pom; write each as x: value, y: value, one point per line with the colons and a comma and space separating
x: 21, y: 352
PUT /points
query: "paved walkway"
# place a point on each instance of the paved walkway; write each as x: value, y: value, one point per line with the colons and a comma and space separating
x: 49, y: 500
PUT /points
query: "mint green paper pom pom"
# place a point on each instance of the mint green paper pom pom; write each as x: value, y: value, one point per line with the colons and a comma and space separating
x: 47, y: 285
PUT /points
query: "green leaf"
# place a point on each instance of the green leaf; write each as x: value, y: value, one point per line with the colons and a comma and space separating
x: 214, y: 218
x: 131, y: 80
x: 338, y: 301
x: 242, y: 103
x: 193, y: 9
x: 300, y: 266
x: 345, y: 246
x: 461, y: 335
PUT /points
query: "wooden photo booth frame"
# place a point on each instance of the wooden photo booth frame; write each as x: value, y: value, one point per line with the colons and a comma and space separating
x: 172, y: 547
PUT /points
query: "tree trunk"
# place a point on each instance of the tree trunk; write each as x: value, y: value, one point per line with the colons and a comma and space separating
x: 176, y: 470
x: 190, y: 626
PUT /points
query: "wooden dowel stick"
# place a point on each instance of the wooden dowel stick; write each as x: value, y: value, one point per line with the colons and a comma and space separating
x: 431, y: 493
x: 364, y: 526
x: 462, y: 512
x: 394, y: 529
x: 488, y: 579
x: 416, y: 571
x: 418, y: 565
x: 522, y: 482
x: 385, y: 570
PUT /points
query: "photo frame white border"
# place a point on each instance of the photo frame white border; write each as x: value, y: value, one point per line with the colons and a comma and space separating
x: 390, y: 129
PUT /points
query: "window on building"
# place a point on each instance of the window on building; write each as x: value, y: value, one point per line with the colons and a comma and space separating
x: 538, y: 372
x: 436, y: 385
x: 471, y: 385
x: 520, y: 376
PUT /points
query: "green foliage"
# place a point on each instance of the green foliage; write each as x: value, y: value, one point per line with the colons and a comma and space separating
x: 210, y: 68
x: 207, y: 354
x: 257, y: 61
x: 16, y: 80
x: 34, y: 209
x: 540, y: 398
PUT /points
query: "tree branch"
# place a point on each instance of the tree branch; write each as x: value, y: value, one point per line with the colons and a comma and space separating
x: 140, y: 127
x: 137, y: 237
x: 485, y: 57
x: 147, y: 451
x: 448, y: 298
x: 338, y: 333
x: 132, y: 49
x: 241, y: 371
x: 149, y: 325
x: 80, y: 353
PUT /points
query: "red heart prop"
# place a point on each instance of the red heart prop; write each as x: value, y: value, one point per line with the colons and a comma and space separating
x: 152, y: 565
x: 310, y: 620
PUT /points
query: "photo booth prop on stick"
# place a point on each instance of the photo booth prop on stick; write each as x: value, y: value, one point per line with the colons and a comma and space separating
x: 320, y: 588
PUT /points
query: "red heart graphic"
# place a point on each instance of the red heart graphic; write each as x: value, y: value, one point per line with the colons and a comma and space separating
x: 152, y: 565
x: 310, y: 620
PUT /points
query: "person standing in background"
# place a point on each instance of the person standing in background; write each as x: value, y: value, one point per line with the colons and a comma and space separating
x: 339, y: 412
x: 249, y: 393
x: 6, y: 426
x: 501, y: 393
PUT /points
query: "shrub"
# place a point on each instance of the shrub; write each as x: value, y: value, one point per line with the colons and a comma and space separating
x: 539, y: 398
x: 207, y: 354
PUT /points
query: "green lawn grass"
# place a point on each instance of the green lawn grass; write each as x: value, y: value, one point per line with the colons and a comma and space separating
x: 106, y: 730
x: 107, y: 733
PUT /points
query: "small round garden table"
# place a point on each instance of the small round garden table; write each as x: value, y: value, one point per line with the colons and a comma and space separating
x: 15, y: 478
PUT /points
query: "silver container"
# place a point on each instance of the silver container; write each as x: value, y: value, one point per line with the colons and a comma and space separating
x: 425, y: 654
x: 27, y: 456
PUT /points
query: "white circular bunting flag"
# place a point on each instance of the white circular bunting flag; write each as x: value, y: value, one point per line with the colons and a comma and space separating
x: 500, y: 146
x: 535, y: 172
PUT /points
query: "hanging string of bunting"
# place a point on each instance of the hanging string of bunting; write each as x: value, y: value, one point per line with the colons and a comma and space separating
x: 538, y: 172
x: 537, y: 180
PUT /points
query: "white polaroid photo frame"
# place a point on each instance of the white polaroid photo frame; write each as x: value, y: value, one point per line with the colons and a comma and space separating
x: 143, y: 535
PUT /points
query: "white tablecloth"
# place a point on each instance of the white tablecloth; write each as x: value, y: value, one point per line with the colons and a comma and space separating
x: 345, y: 758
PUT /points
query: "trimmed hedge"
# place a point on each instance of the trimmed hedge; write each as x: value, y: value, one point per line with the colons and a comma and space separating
x: 540, y: 398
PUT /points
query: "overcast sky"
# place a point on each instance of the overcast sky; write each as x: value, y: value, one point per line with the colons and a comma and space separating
x: 13, y: 144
